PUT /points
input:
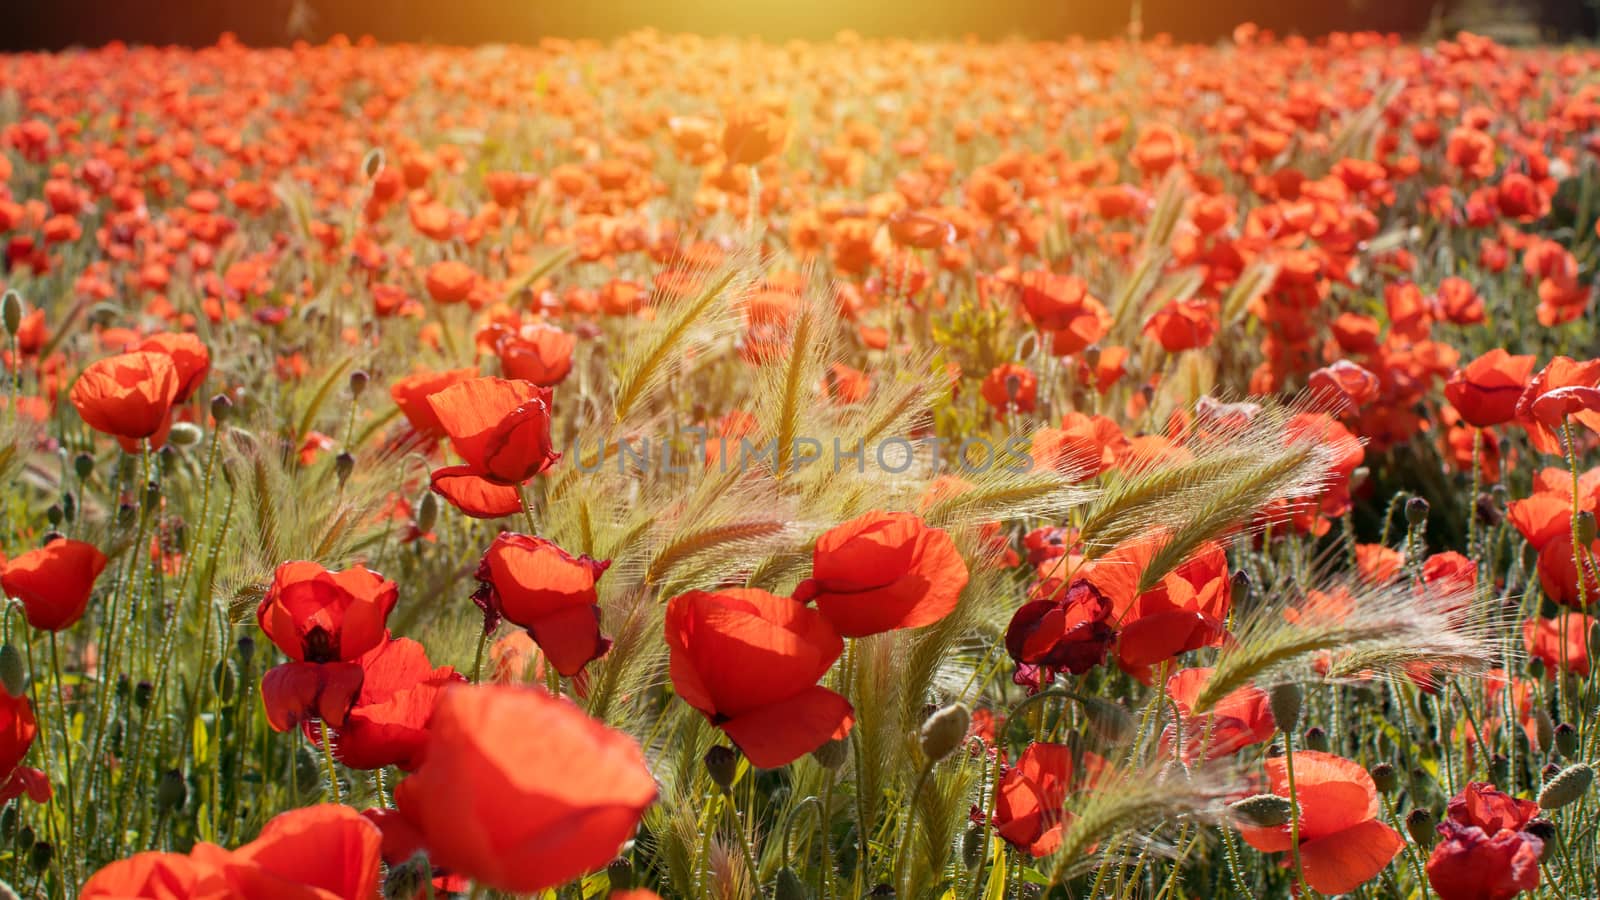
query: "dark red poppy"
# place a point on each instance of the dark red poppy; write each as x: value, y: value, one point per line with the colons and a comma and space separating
x: 1485, y: 854
x: 882, y: 571
x: 1067, y: 632
x: 749, y: 662
x: 534, y: 583
x: 521, y: 791
x: 54, y: 582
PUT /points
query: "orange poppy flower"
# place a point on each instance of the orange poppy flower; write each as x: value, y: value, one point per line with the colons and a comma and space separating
x: 54, y: 582
x: 521, y: 791
x: 1486, y: 390
x: 128, y: 396
x: 189, y: 356
x: 541, y: 355
x: 501, y: 431
x: 450, y: 281
x: 1241, y: 719
x: 1343, y: 845
x: 1542, y: 417
x: 882, y: 571
x: 411, y: 395
x: 749, y: 662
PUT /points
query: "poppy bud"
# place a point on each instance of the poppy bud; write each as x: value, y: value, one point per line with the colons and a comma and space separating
x: 13, y: 671
x: 41, y: 856
x: 343, y: 465
x: 1420, y: 824
x: 53, y: 515
x: 1239, y: 587
x: 1262, y: 810
x: 1285, y: 702
x: 8, y: 822
x: 1567, y: 787
x: 1108, y: 719
x: 789, y: 886
x: 1549, y: 771
x: 1416, y: 511
x: 1594, y: 641
x: 620, y: 873
x: 69, y: 507
x: 1488, y: 511
x: 971, y: 847
x: 943, y: 731
x: 1585, y: 529
x: 1359, y: 476
x: 722, y: 764
x: 171, y: 791
x: 358, y: 382
x: 226, y: 679
x: 221, y: 408
x: 142, y: 692
x: 427, y: 512
x: 409, y: 879
x: 11, y: 311
x: 1536, y: 668
x: 1316, y: 739
x: 1544, y: 830
x: 247, y: 648
x: 1565, y: 737
x: 1500, y: 768
x: 83, y: 465
x: 25, y: 839
x: 372, y: 163
x: 831, y: 755
x: 1385, y: 778
x: 184, y: 434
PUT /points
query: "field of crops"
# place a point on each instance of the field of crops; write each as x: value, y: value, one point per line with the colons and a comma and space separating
x: 715, y: 469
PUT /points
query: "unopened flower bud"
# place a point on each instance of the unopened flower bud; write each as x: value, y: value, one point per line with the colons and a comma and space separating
x: 1567, y: 787
x: 171, y: 791
x: 41, y: 856
x: 1262, y: 810
x: 358, y: 382
x: 142, y: 692
x: 1316, y: 739
x: 1416, y: 511
x: 831, y: 755
x: 1239, y: 587
x: 25, y: 839
x: 184, y: 434
x: 11, y: 312
x: 722, y: 764
x: 1535, y: 668
x: 789, y: 886
x: 225, y: 678
x: 247, y: 648
x: 53, y: 515
x: 13, y: 671
x: 409, y: 879
x: 83, y: 466
x: 1420, y: 824
x: 343, y: 465
x: 427, y: 512
x: 1488, y: 511
x: 221, y: 408
x: 1565, y: 738
x: 372, y: 163
x: 620, y: 873
x: 1385, y: 778
x: 972, y: 847
x: 1585, y: 528
x: 1285, y: 702
x: 943, y: 731
x: 8, y: 822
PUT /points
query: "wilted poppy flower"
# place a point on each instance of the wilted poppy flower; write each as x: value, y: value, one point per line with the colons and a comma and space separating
x: 536, y: 584
x: 1343, y: 845
x: 54, y: 582
x: 1241, y: 719
x: 1066, y: 632
x: 128, y: 396
x: 882, y: 571
x: 1030, y: 800
x: 749, y: 662
x: 189, y: 356
x: 388, y: 722
x: 521, y: 791
x: 325, y: 852
x: 501, y: 430
x: 1485, y: 854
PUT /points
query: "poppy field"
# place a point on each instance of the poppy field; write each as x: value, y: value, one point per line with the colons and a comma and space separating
x: 713, y: 469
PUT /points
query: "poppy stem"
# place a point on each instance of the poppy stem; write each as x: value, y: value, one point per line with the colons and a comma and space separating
x: 750, y: 861
x: 903, y: 863
x: 477, y: 659
x: 1294, y: 812
x: 527, y: 509
x: 69, y: 855
x: 327, y: 758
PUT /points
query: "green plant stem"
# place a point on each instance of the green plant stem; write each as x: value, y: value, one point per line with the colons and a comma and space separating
x: 1294, y: 812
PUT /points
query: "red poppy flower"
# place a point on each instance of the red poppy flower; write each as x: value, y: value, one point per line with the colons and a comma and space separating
x: 1059, y: 303
x: 501, y: 430
x: 1345, y: 386
x: 295, y: 693
x: 1030, y: 800
x: 1241, y: 719
x: 189, y: 356
x: 325, y: 852
x: 1009, y: 387
x: 751, y: 134
x: 1558, y: 571
x: 1067, y: 632
x: 541, y: 355
x: 128, y: 396
x: 1185, y: 611
x: 450, y: 281
x: 54, y: 582
x: 1561, y: 643
x: 1485, y: 854
x: 388, y: 722
x: 882, y: 571
x: 17, y: 731
x: 317, y: 616
x: 536, y: 584
x: 411, y: 394
x: 749, y: 661
x: 1543, y: 423
x: 1343, y: 845
x: 521, y: 791
x: 1083, y: 447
